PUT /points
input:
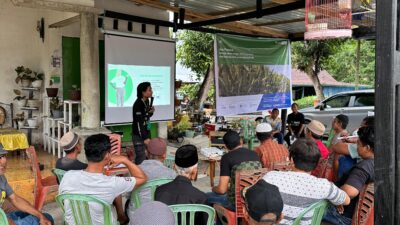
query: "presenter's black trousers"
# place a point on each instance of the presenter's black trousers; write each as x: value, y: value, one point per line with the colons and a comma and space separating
x: 140, y: 149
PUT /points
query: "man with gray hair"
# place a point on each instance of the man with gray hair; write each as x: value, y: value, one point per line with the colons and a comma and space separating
x: 181, y: 190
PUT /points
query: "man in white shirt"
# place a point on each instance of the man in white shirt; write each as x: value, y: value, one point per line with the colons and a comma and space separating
x: 119, y: 82
x: 276, y: 123
x: 92, y: 181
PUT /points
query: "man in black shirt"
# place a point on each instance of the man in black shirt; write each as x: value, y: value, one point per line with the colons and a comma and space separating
x: 181, y: 190
x: 354, y: 181
x: 295, y: 122
x: 236, y: 155
x: 72, y: 148
x: 141, y: 113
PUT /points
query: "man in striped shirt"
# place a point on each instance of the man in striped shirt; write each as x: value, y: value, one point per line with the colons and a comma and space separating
x: 298, y: 188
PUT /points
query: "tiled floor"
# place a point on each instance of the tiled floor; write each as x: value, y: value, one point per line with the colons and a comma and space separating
x: 20, y: 177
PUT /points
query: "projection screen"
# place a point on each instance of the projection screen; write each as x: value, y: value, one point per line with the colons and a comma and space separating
x: 130, y: 60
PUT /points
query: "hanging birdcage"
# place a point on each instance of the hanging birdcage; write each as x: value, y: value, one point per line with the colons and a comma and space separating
x: 327, y: 19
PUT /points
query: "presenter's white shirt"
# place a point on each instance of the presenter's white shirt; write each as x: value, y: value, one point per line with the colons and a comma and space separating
x: 103, y: 187
x: 119, y: 81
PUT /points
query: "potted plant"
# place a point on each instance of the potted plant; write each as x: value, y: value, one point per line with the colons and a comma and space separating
x: 20, y: 99
x: 51, y: 91
x: 33, y: 122
x: 23, y: 76
x: 56, y: 108
x: 75, y: 93
x: 37, y: 80
x: 20, y: 118
x: 185, y: 126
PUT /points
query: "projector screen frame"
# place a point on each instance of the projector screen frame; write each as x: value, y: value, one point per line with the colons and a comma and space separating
x: 144, y: 37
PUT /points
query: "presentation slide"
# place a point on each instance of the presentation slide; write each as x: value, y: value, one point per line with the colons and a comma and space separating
x: 123, y: 80
x: 131, y: 60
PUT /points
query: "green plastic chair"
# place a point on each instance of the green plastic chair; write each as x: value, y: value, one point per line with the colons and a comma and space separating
x: 80, y: 208
x: 3, y: 218
x: 190, y: 209
x: 169, y: 161
x: 59, y: 174
x: 152, y: 185
x: 328, y: 142
x: 319, y: 211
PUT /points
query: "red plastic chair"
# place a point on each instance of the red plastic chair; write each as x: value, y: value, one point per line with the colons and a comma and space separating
x: 364, y: 213
x: 324, y: 170
x: 118, y: 144
x: 43, y: 186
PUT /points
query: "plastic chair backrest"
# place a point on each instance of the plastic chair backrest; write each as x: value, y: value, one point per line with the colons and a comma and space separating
x: 152, y: 185
x: 364, y: 212
x: 181, y: 212
x: 118, y: 143
x: 80, y: 208
x: 328, y: 142
x: 169, y: 161
x: 3, y: 218
x: 244, y: 179
x: 59, y: 174
x: 319, y: 211
x: 31, y: 153
x: 249, y: 165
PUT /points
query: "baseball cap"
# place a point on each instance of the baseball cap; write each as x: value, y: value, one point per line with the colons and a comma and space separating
x: 157, y: 146
x: 263, y: 128
x: 69, y: 141
x: 262, y: 198
x: 186, y: 156
x: 145, y: 215
x: 2, y: 151
x: 316, y: 127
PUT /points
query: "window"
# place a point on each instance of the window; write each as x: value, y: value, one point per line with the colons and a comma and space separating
x: 364, y: 100
x: 338, y: 102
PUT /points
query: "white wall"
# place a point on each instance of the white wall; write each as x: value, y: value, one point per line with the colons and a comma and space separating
x: 20, y: 43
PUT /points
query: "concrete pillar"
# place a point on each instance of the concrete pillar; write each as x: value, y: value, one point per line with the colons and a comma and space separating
x: 90, y: 82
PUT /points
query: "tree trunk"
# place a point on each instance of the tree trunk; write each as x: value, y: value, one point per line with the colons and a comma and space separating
x: 317, y: 86
x: 205, y: 86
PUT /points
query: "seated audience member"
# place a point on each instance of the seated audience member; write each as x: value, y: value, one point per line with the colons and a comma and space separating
x: 339, y: 126
x: 269, y: 151
x: 263, y: 204
x: 26, y: 213
x: 153, y: 213
x: 314, y: 131
x: 354, y: 181
x: 236, y: 155
x: 181, y: 190
x: 345, y: 153
x: 276, y: 122
x: 259, y: 120
x: 72, y: 148
x: 295, y: 123
x: 298, y: 188
x: 92, y: 181
x: 153, y: 167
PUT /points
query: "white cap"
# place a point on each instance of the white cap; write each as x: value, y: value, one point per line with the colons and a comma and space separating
x: 263, y: 128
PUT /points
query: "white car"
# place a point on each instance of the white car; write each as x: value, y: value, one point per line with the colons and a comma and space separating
x: 355, y: 104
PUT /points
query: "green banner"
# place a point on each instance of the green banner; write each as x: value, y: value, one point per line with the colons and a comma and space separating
x: 245, y: 50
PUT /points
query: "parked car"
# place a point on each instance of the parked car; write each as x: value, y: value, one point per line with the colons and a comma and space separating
x: 355, y: 104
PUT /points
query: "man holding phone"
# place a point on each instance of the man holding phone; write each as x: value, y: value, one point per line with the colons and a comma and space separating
x: 142, y: 110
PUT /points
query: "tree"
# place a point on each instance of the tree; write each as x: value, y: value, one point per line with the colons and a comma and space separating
x: 195, y: 50
x: 311, y: 57
x: 342, y: 64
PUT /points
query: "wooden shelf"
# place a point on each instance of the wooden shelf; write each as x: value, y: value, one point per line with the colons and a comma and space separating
x: 32, y: 128
x: 28, y: 108
x: 30, y: 89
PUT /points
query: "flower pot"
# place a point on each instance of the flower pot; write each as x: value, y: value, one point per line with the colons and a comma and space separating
x: 75, y: 95
x: 25, y: 82
x: 21, y: 123
x: 32, y: 122
x: 52, y: 92
x: 33, y: 103
x: 189, y: 133
x: 57, y: 113
x: 21, y: 103
x: 37, y: 83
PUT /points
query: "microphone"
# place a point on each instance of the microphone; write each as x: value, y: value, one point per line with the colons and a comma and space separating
x: 151, y: 101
